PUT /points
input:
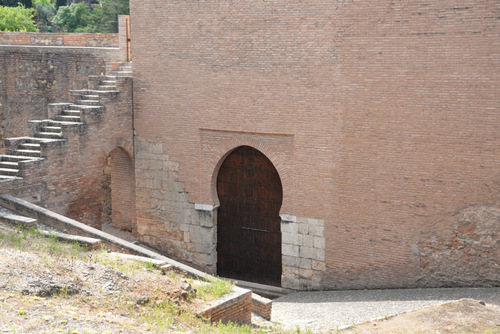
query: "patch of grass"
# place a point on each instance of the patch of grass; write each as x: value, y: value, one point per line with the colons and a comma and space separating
x: 214, y: 288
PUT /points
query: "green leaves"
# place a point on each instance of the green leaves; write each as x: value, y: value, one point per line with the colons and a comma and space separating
x: 17, y: 19
x: 103, y: 19
x: 72, y: 18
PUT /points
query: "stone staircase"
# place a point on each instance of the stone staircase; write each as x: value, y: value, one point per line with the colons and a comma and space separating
x: 62, y: 117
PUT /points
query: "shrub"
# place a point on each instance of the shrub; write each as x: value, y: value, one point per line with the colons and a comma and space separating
x: 17, y: 19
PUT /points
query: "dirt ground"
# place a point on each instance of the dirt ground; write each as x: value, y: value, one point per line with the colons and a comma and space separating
x: 463, y: 316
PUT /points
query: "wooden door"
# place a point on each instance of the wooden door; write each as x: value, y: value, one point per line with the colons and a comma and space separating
x: 248, y: 221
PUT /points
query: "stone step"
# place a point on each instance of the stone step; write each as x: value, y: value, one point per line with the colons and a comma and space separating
x: 90, y: 97
x: 68, y: 118
x: 72, y: 113
x: 51, y: 135
x: 27, y: 153
x: 106, y: 87
x: 18, y: 158
x: 89, y: 102
x: 9, y: 177
x: 59, y: 122
x: 108, y: 82
x: 9, y: 172
x: 9, y: 164
x: 54, y: 129
x: 30, y: 146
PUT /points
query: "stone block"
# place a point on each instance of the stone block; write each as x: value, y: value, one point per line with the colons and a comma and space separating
x: 290, y: 261
x: 307, y: 252
x: 318, y: 265
x: 303, y: 228
x: 290, y: 282
x: 289, y: 227
x: 306, y: 241
x: 291, y: 271
x: 319, y: 242
x: 291, y: 250
x: 306, y: 273
x: 305, y: 263
x: 316, y: 230
x: 290, y: 238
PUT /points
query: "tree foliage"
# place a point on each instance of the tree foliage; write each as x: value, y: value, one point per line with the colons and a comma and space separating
x: 14, y: 3
x: 45, y: 10
x: 17, y: 19
x: 72, y: 18
x: 103, y: 18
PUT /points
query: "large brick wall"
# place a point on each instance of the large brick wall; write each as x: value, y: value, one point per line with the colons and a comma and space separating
x: 381, y: 118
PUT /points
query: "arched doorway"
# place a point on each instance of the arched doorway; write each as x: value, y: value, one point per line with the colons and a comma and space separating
x: 248, y: 221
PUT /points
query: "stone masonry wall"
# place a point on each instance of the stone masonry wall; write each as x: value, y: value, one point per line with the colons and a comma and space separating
x: 165, y: 218
x: 71, y: 178
x: 303, y: 248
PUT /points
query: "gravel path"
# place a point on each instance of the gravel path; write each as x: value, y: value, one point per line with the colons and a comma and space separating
x: 332, y: 310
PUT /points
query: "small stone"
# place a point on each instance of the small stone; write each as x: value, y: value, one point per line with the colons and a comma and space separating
x: 142, y: 300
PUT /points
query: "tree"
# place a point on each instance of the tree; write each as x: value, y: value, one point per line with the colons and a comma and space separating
x: 44, y: 11
x: 13, y: 3
x: 72, y: 18
x: 104, y: 18
x: 17, y: 19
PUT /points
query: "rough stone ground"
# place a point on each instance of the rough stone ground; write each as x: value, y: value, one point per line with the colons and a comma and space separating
x: 50, y: 287
x: 334, y: 310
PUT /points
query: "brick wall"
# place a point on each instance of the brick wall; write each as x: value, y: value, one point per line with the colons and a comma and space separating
x: 71, y: 178
x: 380, y: 117
x: 37, y: 69
x: 122, y: 190
x: 234, y: 307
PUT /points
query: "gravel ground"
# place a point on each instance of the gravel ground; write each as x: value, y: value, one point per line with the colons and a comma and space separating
x: 332, y: 310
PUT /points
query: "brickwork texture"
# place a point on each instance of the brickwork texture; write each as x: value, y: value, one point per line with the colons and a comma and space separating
x: 381, y: 118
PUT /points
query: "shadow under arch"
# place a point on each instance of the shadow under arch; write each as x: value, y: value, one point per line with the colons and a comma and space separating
x: 249, y: 194
x: 120, y: 178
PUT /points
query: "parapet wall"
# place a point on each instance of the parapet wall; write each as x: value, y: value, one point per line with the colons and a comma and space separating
x: 59, y: 39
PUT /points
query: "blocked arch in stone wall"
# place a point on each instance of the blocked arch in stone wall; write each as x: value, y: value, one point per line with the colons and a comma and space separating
x: 120, y: 166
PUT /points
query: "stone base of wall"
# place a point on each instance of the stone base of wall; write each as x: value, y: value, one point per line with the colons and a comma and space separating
x: 303, y: 249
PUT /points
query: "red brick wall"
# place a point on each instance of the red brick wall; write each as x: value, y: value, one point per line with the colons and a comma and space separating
x: 122, y: 190
x: 71, y: 178
x: 390, y: 109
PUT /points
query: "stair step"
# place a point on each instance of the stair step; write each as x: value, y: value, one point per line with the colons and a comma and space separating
x: 108, y: 82
x: 54, y: 129
x: 52, y: 135
x: 106, y: 87
x: 89, y: 102
x: 18, y: 158
x: 30, y: 146
x: 9, y: 177
x: 9, y: 164
x: 68, y: 118
x: 72, y: 113
x: 90, y: 97
x: 27, y: 153
x: 59, y: 122
x: 8, y: 171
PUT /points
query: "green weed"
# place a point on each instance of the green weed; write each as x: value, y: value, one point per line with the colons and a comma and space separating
x: 214, y: 288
